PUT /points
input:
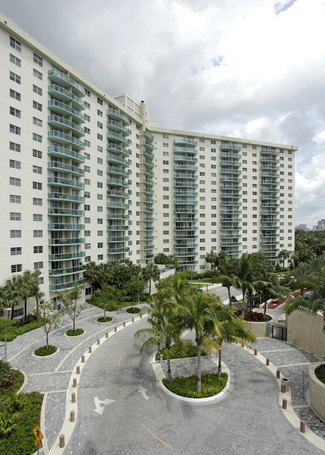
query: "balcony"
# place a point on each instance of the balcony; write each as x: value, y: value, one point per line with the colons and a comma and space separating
x: 185, y: 141
x: 226, y: 146
x: 66, y: 256
x: 230, y: 194
x: 64, y: 110
x: 270, y: 174
x: 233, y: 178
x: 117, y: 115
x: 149, y: 256
x: 63, y: 124
x: 149, y: 136
x: 117, y: 148
x: 63, y: 138
x: 185, y: 254
x: 265, y: 151
x: 148, y: 200
x: 226, y: 154
x: 116, y: 171
x: 148, y: 172
x: 182, y: 158
x: 147, y: 190
x: 62, y: 152
x: 65, y: 197
x: 185, y: 210
x: 233, y: 163
x: 185, y: 175
x: 181, y: 201
x: 118, y: 205
x: 117, y: 182
x: 67, y: 97
x: 111, y: 136
x: 117, y: 239
x: 116, y: 193
x: 64, y: 211
x: 116, y: 227
x: 228, y: 170
x: 149, y: 154
x: 117, y: 127
x: 230, y: 212
x: 62, y: 286
x: 65, y: 182
x: 187, y: 220
x: 67, y: 271
x: 65, y: 241
x: 117, y: 216
x: 149, y: 219
x: 185, y: 150
x: 148, y: 145
x: 149, y: 163
x: 62, y: 167
x: 189, y: 167
x: 148, y: 181
x: 65, y: 226
x: 117, y: 250
x: 62, y: 79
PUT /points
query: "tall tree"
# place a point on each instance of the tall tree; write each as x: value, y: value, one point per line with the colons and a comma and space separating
x: 70, y: 305
x: 284, y: 255
x: 108, y: 296
x: 151, y: 273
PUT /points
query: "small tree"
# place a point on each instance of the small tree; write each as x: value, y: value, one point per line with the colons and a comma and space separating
x: 108, y: 296
x: 70, y: 306
x: 50, y: 317
x: 135, y: 287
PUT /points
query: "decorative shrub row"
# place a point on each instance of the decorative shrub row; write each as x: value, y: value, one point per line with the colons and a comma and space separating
x: 75, y: 333
x: 43, y: 351
x: 14, y: 331
x: 187, y: 386
x: 180, y: 352
x: 102, y: 319
x: 133, y: 310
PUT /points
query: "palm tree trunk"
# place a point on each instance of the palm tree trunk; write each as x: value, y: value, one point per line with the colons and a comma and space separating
x: 169, y: 370
x: 229, y: 295
x: 219, y: 362
x: 12, y: 311
x: 199, y: 378
x: 265, y: 306
x: 25, y: 307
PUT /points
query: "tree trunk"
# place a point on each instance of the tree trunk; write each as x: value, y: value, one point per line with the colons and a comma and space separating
x: 199, y: 378
x: 229, y: 295
x: 104, y: 307
x: 47, y: 340
x: 12, y: 311
x: 265, y: 306
x: 219, y: 362
x: 169, y: 370
x: 149, y: 286
x: 25, y: 307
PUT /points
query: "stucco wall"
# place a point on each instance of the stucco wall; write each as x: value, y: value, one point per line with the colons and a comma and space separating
x: 259, y: 329
x: 316, y: 392
x: 307, y: 331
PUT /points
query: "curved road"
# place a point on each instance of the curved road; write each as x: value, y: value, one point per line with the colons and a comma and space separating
x: 123, y: 410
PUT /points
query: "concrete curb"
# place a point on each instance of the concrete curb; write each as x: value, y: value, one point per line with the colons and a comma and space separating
x: 70, y: 406
x: 289, y: 412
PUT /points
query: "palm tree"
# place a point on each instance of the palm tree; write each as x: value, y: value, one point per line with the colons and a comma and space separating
x: 303, y: 278
x: 211, y: 258
x: 165, y: 327
x: 284, y: 255
x: 151, y: 272
x: 200, y: 313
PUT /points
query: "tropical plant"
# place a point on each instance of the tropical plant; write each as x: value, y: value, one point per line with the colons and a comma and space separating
x: 284, y: 255
x: 70, y: 305
x: 50, y: 317
x: 108, y: 297
x: 151, y: 273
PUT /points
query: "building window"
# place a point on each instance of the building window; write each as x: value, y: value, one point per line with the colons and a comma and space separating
x: 15, y: 216
x: 37, y: 185
x: 37, y: 106
x: 37, y: 90
x: 37, y: 74
x: 38, y: 249
x: 15, y: 44
x: 14, y: 164
x: 37, y: 217
x: 14, y: 199
x: 37, y: 201
x: 37, y: 153
x: 15, y: 112
x: 15, y: 60
x: 14, y: 129
x: 38, y: 265
x: 15, y: 251
x: 14, y: 181
x: 15, y: 234
x: 16, y: 268
x: 15, y: 147
x: 15, y: 95
x: 14, y: 77
x: 37, y: 169
x: 99, y: 101
x: 37, y: 233
x: 37, y: 59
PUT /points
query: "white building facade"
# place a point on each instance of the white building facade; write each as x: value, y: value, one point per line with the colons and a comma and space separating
x: 87, y: 177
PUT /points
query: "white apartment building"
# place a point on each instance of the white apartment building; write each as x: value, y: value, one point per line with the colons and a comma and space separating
x: 87, y: 177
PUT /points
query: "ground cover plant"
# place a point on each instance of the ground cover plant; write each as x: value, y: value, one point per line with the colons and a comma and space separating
x: 19, y: 329
x: 107, y: 319
x: 75, y: 333
x: 180, y: 352
x: 187, y: 386
x: 44, y: 351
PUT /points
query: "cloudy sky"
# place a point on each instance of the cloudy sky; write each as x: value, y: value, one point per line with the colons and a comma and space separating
x: 243, y: 68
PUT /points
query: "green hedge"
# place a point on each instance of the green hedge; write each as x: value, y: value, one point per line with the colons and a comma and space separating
x: 17, y: 381
x: 107, y: 319
x: 14, y: 331
x: 75, y: 333
x: 187, y: 386
x: 182, y: 352
x: 133, y: 310
x: 44, y: 351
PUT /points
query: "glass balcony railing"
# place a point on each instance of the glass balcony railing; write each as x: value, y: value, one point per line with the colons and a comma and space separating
x: 149, y: 154
x: 118, y: 127
x: 64, y: 109
x: 116, y: 193
x: 118, y: 205
x: 62, y: 167
x: 65, y: 226
x: 117, y: 171
x: 118, y: 250
x: 65, y: 241
x: 66, y: 256
x: 116, y: 227
x: 62, y: 152
x: 185, y: 140
x: 65, y: 182
x: 226, y: 146
x: 63, y: 138
x: 117, y: 216
x: 117, y: 182
x: 68, y: 285
x: 117, y: 239
x: 62, y: 123
x: 227, y: 154
x: 67, y: 271
x: 265, y: 151
x: 64, y: 95
x: 117, y: 115
x: 186, y: 150
x: 57, y: 76
x: 148, y: 145
x: 149, y: 136
x: 117, y: 148
x: 65, y: 197
x: 112, y: 136
x: 64, y: 211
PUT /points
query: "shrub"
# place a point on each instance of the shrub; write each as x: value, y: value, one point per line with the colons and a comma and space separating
x: 187, y: 386
x: 44, y: 351
x: 5, y: 371
x: 14, y: 331
x: 133, y: 310
x: 180, y: 352
x: 75, y: 333
x: 254, y: 316
x: 102, y: 319
x: 10, y: 387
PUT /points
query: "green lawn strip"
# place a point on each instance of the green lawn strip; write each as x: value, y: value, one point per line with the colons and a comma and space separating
x: 180, y: 353
x: 187, y: 386
x: 43, y: 351
x: 13, y: 332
